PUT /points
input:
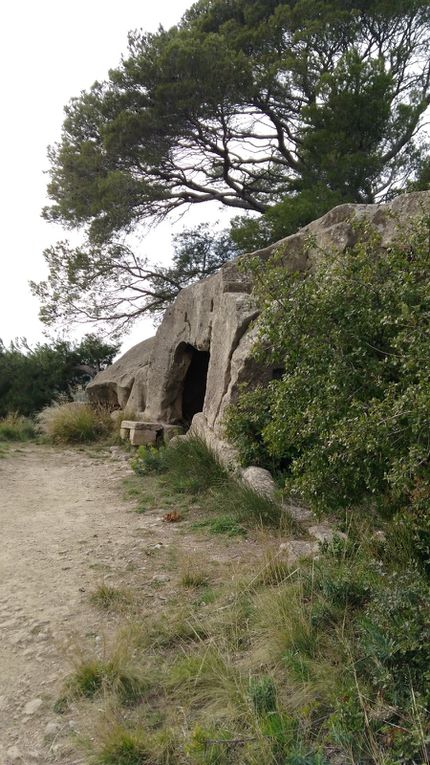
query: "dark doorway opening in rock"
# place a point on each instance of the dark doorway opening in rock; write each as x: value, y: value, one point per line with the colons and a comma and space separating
x: 194, y: 390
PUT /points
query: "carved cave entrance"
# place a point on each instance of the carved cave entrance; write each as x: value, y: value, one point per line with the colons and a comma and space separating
x: 194, y: 381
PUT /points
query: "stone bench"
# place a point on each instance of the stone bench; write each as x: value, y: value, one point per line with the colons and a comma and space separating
x: 148, y: 433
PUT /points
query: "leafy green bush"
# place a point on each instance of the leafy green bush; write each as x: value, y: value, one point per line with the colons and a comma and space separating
x: 245, y: 424
x: 262, y: 692
x: 30, y: 378
x: 149, y: 459
x: 14, y: 427
x: 395, y: 637
x: 74, y: 423
x: 348, y: 420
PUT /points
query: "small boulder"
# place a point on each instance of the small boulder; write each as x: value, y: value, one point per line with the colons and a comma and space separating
x: 298, y: 548
x: 32, y: 706
x: 322, y: 532
x: 259, y: 480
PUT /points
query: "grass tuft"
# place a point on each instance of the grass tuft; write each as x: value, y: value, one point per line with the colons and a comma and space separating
x: 121, y: 745
x: 117, y: 675
x: 222, y: 524
x: 14, y: 427
x: 109, y: 598
x: 74, y: 423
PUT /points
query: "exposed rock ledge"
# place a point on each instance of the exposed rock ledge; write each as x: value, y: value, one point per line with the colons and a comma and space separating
x: 192, y: 369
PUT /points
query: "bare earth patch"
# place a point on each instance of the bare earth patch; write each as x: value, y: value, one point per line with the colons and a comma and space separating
x: 65, y: 530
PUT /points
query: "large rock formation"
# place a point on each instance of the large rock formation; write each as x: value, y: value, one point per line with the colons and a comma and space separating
x: 123, y: 384
x: 193, y: 367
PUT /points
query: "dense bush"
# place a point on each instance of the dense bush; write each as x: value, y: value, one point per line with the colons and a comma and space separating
x: 350, y: 416
x: 30, y: 378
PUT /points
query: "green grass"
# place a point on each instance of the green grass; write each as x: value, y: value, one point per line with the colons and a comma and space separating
x: 222, y: 524
x: 117, y: 675
x: 14, y: 427
x: 259, y: 663
x: 109, y: 598
x: 190, y: 468
x: 121, y: 746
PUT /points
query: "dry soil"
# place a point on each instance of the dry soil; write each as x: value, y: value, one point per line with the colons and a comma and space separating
x: 65, y: 528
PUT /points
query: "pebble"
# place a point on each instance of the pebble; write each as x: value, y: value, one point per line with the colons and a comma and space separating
x: 322, y: 532
x: 32, y: 706
x: 13, y: 755
x: 52, y: 728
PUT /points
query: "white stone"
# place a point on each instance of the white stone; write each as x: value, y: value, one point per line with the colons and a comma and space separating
x: 259, y: 480
x: 32, y: 706
x: 52, y: 728
x: 298, y: 548
x: 13, y: 755
x: 322, y: 532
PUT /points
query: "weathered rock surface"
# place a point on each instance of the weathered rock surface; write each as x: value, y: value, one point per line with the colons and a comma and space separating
x: 260, y: 480
x: 123, y: 384
x: 193, y: 368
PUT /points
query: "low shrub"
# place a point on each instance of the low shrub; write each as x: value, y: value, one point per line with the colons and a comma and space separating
x: 395, y: 638
x: 74, y: 423
x: 149, y: 460
x: 14, y: 427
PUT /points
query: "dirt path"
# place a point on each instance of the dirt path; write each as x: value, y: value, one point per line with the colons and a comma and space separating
x: 63, y: 520
x: 65, y: 528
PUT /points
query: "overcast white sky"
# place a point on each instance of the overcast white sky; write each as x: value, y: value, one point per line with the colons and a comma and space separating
x: 50, y: 50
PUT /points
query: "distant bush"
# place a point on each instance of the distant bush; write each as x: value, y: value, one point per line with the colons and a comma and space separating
x: 30, y: 378
x: 74, y: 423
x: 13, y: 427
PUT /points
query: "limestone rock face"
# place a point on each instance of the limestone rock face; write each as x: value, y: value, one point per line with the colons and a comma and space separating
x: 123, y: 384
x: 194, y: 366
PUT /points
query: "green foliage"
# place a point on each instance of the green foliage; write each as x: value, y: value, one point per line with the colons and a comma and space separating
x: 122, y: 747
x: 189, y: 466
x: 74, y: 423
x: 14, y: 427
x: 222, y: 524
x: 340, y: 93
x: 284, y: 217
x: 149, y: 459
x: 88, y: 679
x: 348, y: 419
x: 91, y: 677
x: 31, y: 377
x: 262, y: 692
x: 308, y: 106
x: 396, y: 638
